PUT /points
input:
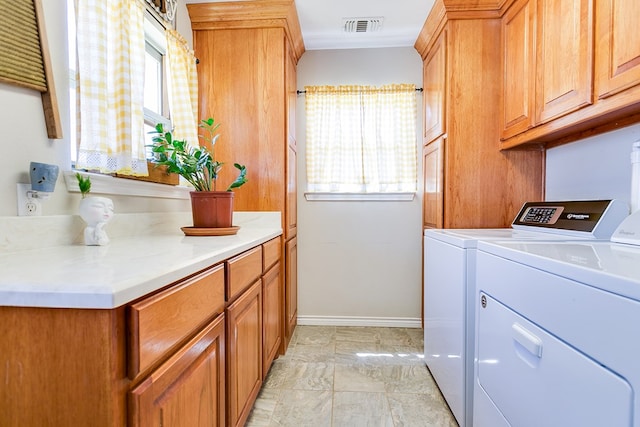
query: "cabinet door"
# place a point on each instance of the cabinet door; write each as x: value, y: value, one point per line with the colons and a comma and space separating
x: 189, y: 389
x: 518, y: 62
x: 618, y: 48
x: 271, y: 316
x: 564, y: 57
x: 291, y: 209
x: 244, y: 354
x: 291, y: 287
x: 292, y: 167
x: 435, y: 86
x: 433, y: 161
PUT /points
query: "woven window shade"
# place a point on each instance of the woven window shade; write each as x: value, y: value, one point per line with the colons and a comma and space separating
x: 20, y: 53
x: 24, y: 56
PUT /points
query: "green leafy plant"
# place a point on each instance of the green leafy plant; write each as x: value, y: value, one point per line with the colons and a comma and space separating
x: 84, y: 183
x: 196, y: 164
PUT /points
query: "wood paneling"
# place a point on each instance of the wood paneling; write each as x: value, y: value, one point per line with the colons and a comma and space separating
x: 60, y: 365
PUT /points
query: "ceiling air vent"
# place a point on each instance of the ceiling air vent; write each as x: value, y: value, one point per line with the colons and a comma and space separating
x: 362, y: 25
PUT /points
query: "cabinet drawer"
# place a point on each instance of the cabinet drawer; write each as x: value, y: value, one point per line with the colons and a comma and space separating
x: 159, y: 322
x: 242, y: 271
x: 270, y: 253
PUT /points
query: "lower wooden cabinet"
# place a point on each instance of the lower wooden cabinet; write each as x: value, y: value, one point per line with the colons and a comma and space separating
x: 189, y: 389
x: 271, y: 317
x: 244, y: 354
x: 291, y: 288
x: 181, y: 356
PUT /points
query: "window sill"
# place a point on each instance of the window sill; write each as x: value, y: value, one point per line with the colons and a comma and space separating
x: 359, y: 196
x: 106, y: 184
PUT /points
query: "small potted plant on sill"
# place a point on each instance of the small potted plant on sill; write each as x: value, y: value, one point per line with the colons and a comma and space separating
x: 197, y: 164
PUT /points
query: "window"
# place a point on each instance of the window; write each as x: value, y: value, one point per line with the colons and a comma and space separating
x: 156, y: 105
x: 361, y: 139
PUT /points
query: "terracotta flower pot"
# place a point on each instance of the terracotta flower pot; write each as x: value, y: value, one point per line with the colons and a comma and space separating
x: 212, y: 209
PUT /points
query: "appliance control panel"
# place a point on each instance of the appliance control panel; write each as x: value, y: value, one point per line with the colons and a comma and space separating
x: 589, y: 218
x: 541, y: 214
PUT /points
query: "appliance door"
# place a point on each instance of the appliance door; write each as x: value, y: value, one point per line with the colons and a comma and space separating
x: 444, y: 320
x: 535, y: 379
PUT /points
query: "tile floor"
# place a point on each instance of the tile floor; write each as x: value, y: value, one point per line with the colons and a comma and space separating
x: 338, y: 376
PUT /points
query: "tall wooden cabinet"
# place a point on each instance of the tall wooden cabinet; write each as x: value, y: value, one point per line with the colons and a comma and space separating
x: 248, y: 52
x: 469, y: 182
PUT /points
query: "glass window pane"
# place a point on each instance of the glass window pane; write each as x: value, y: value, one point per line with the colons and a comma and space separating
x: 153, y: 80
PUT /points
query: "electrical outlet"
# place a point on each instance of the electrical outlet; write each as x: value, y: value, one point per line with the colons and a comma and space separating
x: 27, y: 206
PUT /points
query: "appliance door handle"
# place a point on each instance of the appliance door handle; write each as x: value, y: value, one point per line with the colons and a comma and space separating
x: 526, y: 339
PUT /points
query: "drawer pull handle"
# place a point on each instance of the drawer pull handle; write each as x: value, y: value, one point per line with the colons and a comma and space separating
x: 526, y: 339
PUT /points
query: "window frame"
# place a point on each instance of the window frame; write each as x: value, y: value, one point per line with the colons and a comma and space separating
x: 113, y: 183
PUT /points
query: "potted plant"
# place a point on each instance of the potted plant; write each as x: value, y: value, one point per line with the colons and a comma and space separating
x: 197, y: 164
x: 96, y: 212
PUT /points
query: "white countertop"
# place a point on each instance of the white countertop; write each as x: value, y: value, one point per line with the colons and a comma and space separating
x: 78, y: 276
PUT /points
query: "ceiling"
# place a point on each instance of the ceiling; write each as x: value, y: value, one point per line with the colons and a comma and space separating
x: 322, y: 22
x: 322, y: 26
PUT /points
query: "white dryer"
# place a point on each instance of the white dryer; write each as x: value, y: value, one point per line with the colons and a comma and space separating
x: 558, y: 336
x: 449, y: 284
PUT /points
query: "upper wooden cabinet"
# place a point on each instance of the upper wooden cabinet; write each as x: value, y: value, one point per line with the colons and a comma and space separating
x: 435, y: 85
x: 518, y: 59
x: 565, y: 75
x: 618, y: 61
x: 433, y: 160
x: 570, y: 69
x: 469, y: 182
x: 547, y: 57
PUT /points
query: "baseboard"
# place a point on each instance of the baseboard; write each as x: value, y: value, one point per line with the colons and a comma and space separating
x: 390, y: 322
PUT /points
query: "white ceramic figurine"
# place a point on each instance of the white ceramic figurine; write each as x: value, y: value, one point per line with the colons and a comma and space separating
x: 96, y: 212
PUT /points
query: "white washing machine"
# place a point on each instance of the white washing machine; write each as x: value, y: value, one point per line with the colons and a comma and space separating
x: 558, y: 332
x: 449, y: 283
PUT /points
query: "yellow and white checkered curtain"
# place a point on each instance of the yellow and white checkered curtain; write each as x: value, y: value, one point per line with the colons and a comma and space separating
x: 183, y: 88
x: 111, y: 60
x: 361, y: 139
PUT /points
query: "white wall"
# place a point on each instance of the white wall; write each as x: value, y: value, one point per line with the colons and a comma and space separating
x: 598, y: 167
x: 358, y: 262
x: 24, y: 136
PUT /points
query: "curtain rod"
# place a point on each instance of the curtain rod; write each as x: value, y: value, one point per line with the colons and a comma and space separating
x: 302, y: 92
